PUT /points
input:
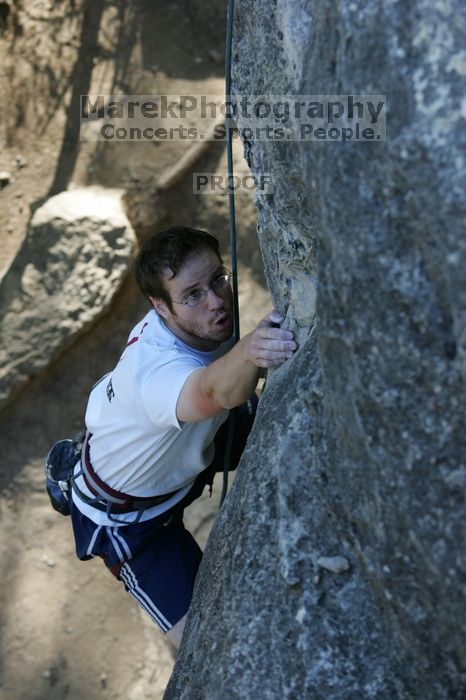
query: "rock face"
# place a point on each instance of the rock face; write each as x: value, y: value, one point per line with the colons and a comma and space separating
x: 72, y: 261
x: 336, y: 568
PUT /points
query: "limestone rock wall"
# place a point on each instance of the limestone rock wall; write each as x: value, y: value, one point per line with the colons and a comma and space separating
x: 358, y: 450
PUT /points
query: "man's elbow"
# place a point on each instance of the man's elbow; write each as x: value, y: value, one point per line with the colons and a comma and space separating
x: 197, y: 402
x: 225, y: 401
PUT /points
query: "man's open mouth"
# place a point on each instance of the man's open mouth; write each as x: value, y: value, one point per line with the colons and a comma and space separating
x: 223, y: 321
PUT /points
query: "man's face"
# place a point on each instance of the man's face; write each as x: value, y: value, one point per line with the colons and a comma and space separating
x: 210, y: 323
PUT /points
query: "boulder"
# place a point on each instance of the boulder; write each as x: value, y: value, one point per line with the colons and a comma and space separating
x: 336, y: 567
x: 73, y: 260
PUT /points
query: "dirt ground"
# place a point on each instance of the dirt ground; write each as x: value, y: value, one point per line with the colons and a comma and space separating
x: 67, y: 629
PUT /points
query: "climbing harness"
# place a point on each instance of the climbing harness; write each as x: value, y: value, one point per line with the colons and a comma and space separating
x: 60, y: 468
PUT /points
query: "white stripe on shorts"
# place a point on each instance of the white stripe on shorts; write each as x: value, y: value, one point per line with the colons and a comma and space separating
x: 92, y: 542
x: 116, y: 546
x: 122, y: 541
x: 129, y: 578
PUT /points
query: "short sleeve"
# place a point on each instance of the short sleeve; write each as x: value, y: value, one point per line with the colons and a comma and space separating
x: 160, y: 387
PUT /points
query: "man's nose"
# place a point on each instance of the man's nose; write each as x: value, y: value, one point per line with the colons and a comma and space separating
x: 214, y: 300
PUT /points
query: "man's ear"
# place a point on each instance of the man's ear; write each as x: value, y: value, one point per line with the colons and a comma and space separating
x: 160, y: 306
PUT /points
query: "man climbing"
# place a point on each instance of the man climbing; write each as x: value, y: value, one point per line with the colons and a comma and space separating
x: 156, y: 425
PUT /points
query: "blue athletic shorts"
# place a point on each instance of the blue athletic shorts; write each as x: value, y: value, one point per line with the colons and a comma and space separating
x: 157, y: 560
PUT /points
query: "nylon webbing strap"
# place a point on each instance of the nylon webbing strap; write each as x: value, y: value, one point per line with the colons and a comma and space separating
x: 111, y: 496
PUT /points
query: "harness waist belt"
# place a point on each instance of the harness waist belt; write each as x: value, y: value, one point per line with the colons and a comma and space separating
x: 119, y: 501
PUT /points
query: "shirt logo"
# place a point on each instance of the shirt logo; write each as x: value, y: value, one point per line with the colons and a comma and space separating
x: 110, y: 392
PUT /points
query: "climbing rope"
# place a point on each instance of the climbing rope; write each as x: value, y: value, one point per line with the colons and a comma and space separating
x: 231, y: 191
x: 232, y: 231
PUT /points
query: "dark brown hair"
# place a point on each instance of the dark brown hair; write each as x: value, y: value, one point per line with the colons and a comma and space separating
x: 168, y: 250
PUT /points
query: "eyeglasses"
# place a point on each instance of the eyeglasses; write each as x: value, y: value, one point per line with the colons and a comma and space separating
x: 196, y: 297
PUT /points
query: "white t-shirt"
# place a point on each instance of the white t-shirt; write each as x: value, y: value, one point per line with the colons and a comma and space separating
x: 138, y: 446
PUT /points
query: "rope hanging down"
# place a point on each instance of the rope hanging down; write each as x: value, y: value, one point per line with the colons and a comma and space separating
x: 232, y: 231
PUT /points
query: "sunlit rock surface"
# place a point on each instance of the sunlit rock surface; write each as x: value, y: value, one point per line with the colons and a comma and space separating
x: 336, y: 568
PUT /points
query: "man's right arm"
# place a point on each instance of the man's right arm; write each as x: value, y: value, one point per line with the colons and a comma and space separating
x: 230, y: 380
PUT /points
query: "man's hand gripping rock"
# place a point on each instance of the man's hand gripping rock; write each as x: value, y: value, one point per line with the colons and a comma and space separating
x: 270, y: 345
